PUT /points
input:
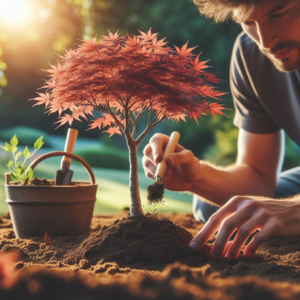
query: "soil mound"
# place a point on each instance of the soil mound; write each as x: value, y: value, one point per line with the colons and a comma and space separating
x: 148, y: 242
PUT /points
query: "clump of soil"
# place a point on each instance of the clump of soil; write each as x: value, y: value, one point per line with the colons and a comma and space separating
x: 155, y: 193
x: 148, y: 242
x: 38, y: 181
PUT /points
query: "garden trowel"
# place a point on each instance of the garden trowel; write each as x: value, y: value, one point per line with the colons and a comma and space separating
x: 64, y: 176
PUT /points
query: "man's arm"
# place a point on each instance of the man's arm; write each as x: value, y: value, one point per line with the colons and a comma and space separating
x: 254, y: 173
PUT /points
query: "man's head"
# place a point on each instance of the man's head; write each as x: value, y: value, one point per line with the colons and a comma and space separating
x: 274, y: 25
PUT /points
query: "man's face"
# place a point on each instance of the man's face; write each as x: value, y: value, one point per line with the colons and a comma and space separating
x: 274, y: 25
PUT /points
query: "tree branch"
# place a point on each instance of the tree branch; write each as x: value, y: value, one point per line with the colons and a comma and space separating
x: 149, y: 126
x: 114, y: 116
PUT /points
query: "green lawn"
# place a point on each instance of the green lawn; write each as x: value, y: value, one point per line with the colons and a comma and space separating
x: 113, y: 192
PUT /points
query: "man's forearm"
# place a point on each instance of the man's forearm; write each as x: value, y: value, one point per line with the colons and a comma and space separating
x: 219, y: 184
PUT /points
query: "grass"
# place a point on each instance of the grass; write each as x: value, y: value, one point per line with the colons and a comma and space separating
x: 113, y: 192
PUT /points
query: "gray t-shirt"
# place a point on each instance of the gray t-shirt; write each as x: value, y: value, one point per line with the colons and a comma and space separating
x: 265, y: 99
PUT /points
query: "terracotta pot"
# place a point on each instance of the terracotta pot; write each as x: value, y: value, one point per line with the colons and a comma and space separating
x: 57, y: 210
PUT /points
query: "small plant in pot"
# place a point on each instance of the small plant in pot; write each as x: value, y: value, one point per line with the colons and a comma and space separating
x: 125, y: 78
x: 39, y: 206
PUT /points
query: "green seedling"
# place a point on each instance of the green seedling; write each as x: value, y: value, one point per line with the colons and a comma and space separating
x: 18, y: 171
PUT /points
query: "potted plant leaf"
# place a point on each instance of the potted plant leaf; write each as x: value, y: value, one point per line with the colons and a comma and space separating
x: 39, y: 206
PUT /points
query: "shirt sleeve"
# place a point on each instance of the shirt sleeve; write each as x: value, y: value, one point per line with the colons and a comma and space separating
x: 250, y: 114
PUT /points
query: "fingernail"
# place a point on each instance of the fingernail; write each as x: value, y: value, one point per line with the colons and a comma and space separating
x: 155, y: 157
x: 194, y: 245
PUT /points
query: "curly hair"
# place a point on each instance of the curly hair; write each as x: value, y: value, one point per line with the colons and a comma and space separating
x: 222, y: 10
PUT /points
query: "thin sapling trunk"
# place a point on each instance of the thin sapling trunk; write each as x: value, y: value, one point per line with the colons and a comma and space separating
x: 136, y: 206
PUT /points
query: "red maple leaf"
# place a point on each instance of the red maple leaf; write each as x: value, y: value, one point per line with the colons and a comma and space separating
x: 54, y: 69
x: 43, y: 99
x: 215, y: 108
x: 113, y: 130
x: 112, y: 36
x: 199, y: 66
x: 147, y: 36
x: 184, y: 52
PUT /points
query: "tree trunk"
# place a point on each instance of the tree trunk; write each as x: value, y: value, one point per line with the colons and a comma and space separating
x: 136, y: 206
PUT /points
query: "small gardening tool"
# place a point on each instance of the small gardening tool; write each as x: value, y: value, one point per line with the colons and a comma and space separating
x: 156, y: 190
x: 64, y: 176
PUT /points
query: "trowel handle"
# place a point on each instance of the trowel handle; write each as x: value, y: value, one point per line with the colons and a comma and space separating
x: 171, y: 146
x: 69, y: 147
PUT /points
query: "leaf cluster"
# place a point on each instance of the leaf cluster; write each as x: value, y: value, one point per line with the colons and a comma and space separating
x: 124, y: 77
x: 18, y: 171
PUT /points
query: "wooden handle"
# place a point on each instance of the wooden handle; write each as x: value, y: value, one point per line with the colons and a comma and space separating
x: 171, y: 146
x: 69, y: 147
x: 60, y: 153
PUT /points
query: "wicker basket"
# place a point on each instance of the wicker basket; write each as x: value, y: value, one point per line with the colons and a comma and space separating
x: 57, y: 210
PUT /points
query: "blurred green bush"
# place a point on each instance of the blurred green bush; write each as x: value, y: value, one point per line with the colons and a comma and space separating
x: 105, y: 157
x: 292, y: 154
x: 26, y: 135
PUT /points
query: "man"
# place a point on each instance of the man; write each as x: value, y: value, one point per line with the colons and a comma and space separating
x: 265, y: 84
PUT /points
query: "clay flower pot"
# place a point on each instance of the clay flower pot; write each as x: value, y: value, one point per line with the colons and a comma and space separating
x: 57, y: 210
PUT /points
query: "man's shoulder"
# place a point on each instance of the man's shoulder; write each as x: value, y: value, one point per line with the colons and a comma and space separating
x: 248, y: 59
x: 246, y: 49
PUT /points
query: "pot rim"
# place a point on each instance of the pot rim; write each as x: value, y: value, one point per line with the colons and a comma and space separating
x: 86, y: 184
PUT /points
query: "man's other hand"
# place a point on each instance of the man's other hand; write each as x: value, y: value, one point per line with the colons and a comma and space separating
x: 247, y: 214
x: 183, y: 167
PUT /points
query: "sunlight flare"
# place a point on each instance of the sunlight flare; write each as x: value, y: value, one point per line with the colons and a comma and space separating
x: 15, y: 12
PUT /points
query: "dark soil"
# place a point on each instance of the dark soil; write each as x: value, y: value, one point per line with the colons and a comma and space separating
x: 155, y: 193
x: 174, y: 282
x: 127, y: 259
x: 149, y: 242
x: 38, y: 181
x: 47, y: 182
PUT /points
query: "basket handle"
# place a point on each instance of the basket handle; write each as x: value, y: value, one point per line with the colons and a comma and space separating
x: 62, y: 153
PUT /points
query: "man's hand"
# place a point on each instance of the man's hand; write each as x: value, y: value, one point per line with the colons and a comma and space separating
x: 247, y: 214
x: 183, y: 167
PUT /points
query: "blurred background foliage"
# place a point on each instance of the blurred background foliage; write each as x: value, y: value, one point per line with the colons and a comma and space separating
x: 34, y: 31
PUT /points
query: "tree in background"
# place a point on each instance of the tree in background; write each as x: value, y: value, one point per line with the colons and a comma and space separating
x: 125, y: 78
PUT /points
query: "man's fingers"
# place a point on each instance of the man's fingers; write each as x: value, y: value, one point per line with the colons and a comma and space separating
x: 149, y: 167
x: 182, y: 157
x: 158, y: 143
x: 242, y: 235
x: 227, y: 228
x: 148, y: 152
x: 227, y: 247
x: 268, y: 230
x: 214, y: 222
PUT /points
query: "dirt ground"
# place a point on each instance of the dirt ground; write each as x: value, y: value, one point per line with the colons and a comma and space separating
x: 73, y: 268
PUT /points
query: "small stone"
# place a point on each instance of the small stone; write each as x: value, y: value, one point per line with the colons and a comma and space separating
x: 84, y: 264
x: 19, y: 265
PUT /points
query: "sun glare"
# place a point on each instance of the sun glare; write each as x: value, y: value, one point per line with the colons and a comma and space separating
x: 14, y: 12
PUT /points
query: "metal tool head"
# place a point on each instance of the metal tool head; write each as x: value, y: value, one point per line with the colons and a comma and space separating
x: 63, y: 178
x: 158, y: 179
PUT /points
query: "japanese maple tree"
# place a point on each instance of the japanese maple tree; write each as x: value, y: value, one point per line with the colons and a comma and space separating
x: 124, y: 78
